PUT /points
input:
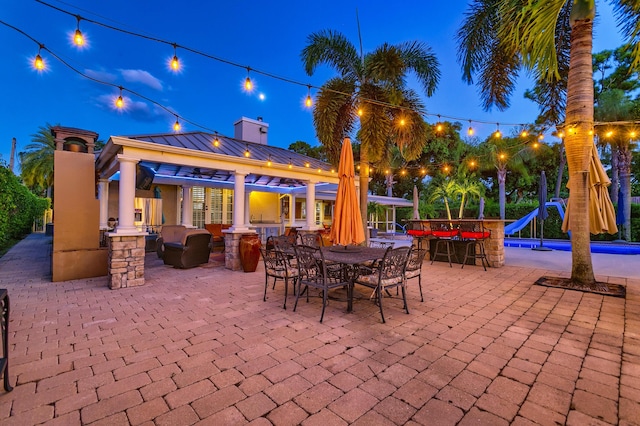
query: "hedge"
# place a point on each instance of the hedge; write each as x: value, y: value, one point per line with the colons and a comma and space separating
x: 18, y: 208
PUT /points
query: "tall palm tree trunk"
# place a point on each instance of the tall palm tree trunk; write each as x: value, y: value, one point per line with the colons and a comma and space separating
x: 502, y: 196
x: 364, y: 189
x: 563, y: 162
x: 579, y: 146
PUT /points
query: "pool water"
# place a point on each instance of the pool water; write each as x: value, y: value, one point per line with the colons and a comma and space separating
x: 604, y: 247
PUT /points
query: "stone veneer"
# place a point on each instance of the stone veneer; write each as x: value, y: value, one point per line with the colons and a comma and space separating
x: 126, y: 260
x: 232, y: 251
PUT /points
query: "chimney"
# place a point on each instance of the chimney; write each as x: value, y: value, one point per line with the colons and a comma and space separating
x: 250, y: 130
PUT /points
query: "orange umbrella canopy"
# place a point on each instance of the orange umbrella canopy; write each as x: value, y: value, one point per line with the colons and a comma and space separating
x: 602, y: 217
x: 347, y: 221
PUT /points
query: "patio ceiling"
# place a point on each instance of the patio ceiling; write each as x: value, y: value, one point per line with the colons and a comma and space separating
x: 192, y: 159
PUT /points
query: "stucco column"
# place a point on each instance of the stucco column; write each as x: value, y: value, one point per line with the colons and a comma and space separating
x: 126, y: 195
x: 187, y: 207
x: 247, y: 208
x: 103, y: 196
x: 292, y: 209
x: 311, y: 206
x: 239, y: 224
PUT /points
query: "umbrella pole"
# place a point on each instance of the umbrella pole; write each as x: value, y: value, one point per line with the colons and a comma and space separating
x: 541, y: 247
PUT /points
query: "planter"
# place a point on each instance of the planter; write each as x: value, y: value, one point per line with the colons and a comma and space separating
x: 249, y: 252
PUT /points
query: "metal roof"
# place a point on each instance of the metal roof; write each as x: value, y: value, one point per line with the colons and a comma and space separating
x: 287, y: 169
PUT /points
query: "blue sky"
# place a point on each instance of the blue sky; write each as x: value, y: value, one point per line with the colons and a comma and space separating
x: 266, y: 36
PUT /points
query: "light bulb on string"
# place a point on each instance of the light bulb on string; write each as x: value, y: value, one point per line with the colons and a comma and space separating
x: 247, y: 153
x: 632, y: 134
x: 269, y: 163
x: 78, y: 38
x: 119, y: 100
x: 216, y: 140
x: 470, y: 129
x: 248, y: 84
x: 497, y: 133
x: 38, y: 62
x: 446, y: 168
x: 439, y: 125
x: 524, y: 133
x: 308, y: 102
x: 176, y: 125
x: 561, y: 134
x: 290, y: 164
x: 175, y: 63
x: 609, y: 133
x: 472, y: 164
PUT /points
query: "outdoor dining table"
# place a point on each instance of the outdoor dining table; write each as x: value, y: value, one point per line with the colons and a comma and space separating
x: 352, y: 257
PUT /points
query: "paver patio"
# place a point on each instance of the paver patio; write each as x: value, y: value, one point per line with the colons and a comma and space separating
x: 200, y: 346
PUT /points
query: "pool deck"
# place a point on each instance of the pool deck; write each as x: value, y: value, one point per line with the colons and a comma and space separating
x: 200, y: 346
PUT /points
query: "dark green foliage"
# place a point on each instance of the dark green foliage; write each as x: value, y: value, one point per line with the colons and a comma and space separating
x: 18, y: 208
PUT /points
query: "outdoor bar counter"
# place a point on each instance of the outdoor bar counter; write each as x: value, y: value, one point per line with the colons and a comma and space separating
x: 494, y: 245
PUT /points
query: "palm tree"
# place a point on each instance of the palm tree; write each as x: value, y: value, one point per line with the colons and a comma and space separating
x: 467, y: 188
x: 370, y: 90
x: 504, y: 154
x: 445, y: 190
x: 36, y: 162
x: 500, y: 37
x: 614, y: 105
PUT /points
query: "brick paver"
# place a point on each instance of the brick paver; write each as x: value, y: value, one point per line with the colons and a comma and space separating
x: 199, y: 346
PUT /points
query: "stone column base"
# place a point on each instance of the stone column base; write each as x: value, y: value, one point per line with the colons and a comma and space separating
x: 126, y: 260
x: 232, y: 251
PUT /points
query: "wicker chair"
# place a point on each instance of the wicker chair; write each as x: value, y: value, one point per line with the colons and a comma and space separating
x: 389, y: 274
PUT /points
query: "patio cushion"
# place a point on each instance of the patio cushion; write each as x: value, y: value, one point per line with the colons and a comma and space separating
x: 475, y: 235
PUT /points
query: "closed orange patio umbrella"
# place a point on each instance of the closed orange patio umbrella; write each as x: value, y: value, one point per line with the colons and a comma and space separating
x: 346, y: 228
x: 602, y: 216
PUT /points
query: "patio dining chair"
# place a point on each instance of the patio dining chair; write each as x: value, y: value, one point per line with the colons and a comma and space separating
x: 315, y: 273
x: 414, y: 267
x: 390, y: 273
x: 277, y: 265
x: 312, y: 239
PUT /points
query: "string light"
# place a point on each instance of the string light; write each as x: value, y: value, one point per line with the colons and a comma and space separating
x: 248, y: 84
x: 536, y: 145
x: 176, y: 125
x: 439, y: 125
x: 216, y: 140
x: 632, y: 134
x: 307, y: 164
x: 175, y: 63
x: 561, y: 134
x: 497, y: 133
x: 524, y: 134
x: 269, y: 163
x: 247, y: 153
x: 119, y: 100
x: 38, y: 62
x: 472, y: 164
x: 502, y: 156
x: 308, y: 102
x: 446, y: 168
x: 360, y: 112
x: 540, y: 137
x: 78, y: 38
x: 290, y: 164
x: 470, y: 129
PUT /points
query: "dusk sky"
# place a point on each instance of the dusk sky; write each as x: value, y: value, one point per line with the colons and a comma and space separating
x: 264, y: 35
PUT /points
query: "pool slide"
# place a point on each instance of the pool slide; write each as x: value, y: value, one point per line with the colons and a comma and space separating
x: 519, y: 224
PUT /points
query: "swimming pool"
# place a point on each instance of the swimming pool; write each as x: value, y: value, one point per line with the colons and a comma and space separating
x: 565, y: 245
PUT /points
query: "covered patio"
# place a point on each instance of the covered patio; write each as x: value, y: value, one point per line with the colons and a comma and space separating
x: 200, y: 346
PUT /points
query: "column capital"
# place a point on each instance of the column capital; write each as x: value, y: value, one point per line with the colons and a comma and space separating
x: 127, y: 158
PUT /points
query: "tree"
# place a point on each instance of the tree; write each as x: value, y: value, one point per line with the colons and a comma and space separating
x: 36, y: 162
x: 504, y: 154
x: 467, y: 188
x: 304, y: 148
x: 370, y: 94
x: 500, y: 37
x: 614, y: 105
x: 445, y: 190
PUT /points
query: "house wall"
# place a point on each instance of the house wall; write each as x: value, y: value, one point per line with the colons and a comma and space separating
x: 264, y: 207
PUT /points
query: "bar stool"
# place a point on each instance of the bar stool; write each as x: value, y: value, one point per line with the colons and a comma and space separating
x: 444, y: 232
x: 419, y: 231
x: 474, y: 233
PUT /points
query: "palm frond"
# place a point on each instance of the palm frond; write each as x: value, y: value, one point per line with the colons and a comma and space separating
x: 628, y: 17
x: 421, y: 59
x: 333, y: 49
